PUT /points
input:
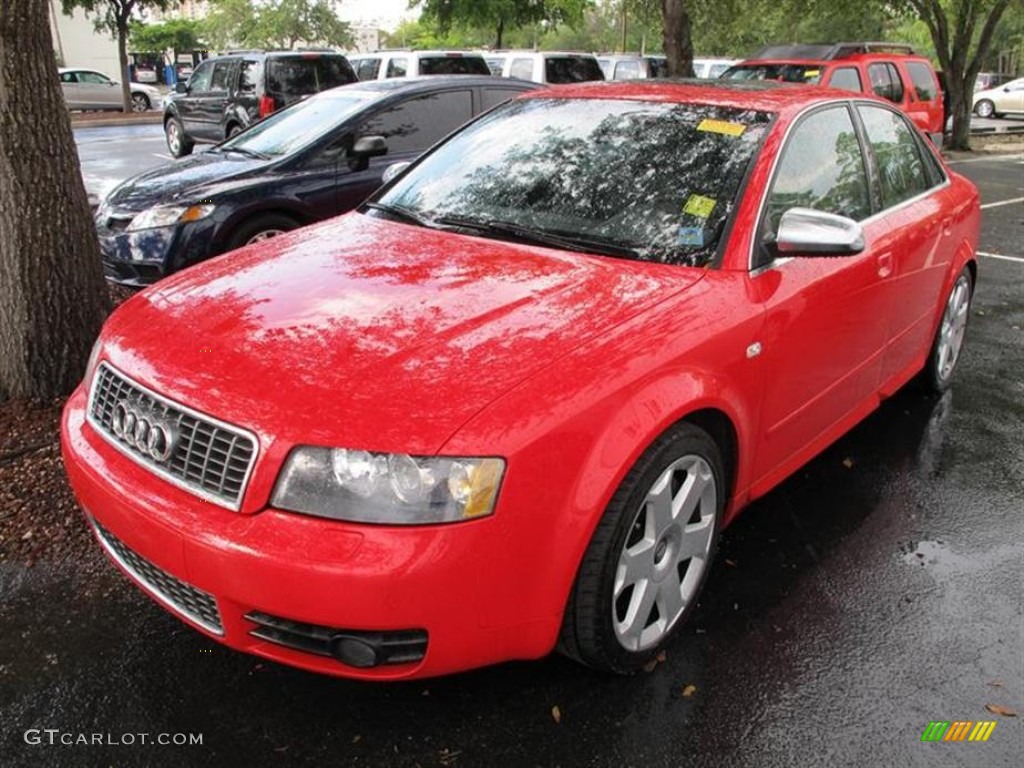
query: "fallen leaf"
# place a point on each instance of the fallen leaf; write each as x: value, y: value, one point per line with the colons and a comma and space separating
x: 996, y: 683
x: 689, y: 690
x: 556, y: 714
x: 848, y: 463
x: 999, y: 709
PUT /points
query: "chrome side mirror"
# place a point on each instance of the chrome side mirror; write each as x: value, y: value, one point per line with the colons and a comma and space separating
x: 393, y: 170
x: 807, y: 232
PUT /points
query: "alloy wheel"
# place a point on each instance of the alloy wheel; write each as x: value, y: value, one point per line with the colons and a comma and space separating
x: 665, y: 554
x: 985, y: 109
x: 173, y: 138
x: 954, y: 325
x: 139, y: 103
x: 265, y: 234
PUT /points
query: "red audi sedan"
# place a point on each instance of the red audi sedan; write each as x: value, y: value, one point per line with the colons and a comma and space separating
x: 508, y: 404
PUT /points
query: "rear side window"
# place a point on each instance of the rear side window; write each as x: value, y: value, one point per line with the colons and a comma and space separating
x: 398, y: 68
x: 627, y: 70
x: 572, y: 69
x: 521, y: 68
x: 454, y: 65
x: 823, y: 168
x: 847, y: 78
x: 249, y: 77
x: 923, y: 79
x: 414, y: 125
x: 901, y: 172
x: 492, y: 97
x: 221, y: 76
x: 368, y: 69
x: 304, y: 75
x: 715, y: 72
x: 885, y: 82
x: 659, y: 68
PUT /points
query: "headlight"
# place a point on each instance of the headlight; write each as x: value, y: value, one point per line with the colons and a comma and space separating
x: 94, y: 359
x: 168, y: 215
x: 394, y: 489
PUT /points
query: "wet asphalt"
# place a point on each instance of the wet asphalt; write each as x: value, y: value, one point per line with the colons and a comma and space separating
x: 878, y: 589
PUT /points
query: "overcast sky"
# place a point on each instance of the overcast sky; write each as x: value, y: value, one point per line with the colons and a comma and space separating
x: 388, y: 13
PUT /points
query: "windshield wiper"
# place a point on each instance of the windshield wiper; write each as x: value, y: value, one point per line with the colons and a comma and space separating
x: 247, y: 152
x: 564, y: 241
x: 408, y: 215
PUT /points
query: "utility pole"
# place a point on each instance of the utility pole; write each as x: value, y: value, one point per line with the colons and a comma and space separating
x: 625, y: 16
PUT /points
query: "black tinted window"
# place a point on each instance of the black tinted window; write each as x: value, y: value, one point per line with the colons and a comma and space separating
x: 846, y: 78
x: 368, y: 69
x: 901, y: 173
x: 453, y: 65
x: 221, y: 75
x: 249, y: 77
x: 492, y: 97
x: 923, y: 79
x: 658, y: 179
x: 414, y: 125
x: 303, y: 75
x: 786, y: 73
x: 398, y: 68
x: 571, y: 69
x: 822, y: 167
x: 885, y: 82
x: 659, y: 68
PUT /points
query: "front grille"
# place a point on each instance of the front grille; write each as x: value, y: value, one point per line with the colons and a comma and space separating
x: 192, y: 603
x: 207, y: 457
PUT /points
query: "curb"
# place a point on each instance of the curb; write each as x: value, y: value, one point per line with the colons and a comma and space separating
x: 116, y: 120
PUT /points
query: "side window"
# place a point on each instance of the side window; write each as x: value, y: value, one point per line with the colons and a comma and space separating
x: 93, y: 77
x: 249, y: 77
x: 822, y: 167
x: 221, y: 76
x: 492, y: 97
x: 923, y: 79
x: 627, y: 70
x: 885, y: 82
x: 414, y: 125
x: 521, y: 68
x: 68, y: 77
x: 398, y: 68
x: 716, y: 70
x: 200, y: 80
x: 901, y: 172
x: 847, y: 78
x: 368, y: 69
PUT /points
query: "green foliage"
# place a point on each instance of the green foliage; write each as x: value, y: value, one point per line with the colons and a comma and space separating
x: 500, y: 15
x: 175, y: 34
x: 113, y: 16
x: 279, y: 24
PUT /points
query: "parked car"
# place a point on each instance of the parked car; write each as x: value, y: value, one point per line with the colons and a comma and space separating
x: 996, y: 102
x: 498, y: 409
x: 627, y: 66
x: 388, y: 64
x: 891, y: 71
x: 710, y: 69
x: 87, y: 89
x: 227, y: 94
x: 145, y: 74
x: 315, y: 159
x: 551, y: 67
x: 989, y: 80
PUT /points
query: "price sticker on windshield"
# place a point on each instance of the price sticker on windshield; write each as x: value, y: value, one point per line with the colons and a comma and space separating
x: 699, y: 206
x: 722, y: 126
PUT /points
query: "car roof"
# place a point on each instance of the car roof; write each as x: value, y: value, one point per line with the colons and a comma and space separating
x: 403, y: 52
x: 430, y: 83
x: 760, y: 95
x: 547, y: 53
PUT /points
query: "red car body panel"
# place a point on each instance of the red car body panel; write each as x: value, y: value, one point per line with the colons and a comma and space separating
x: 374, y: 335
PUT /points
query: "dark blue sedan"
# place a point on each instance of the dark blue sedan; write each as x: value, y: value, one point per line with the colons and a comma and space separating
x: 315, y: 159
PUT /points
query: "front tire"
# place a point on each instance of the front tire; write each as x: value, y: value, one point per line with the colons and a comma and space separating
x: 140, y: 102
x: 178, y: 142
x: 985, y: 108
x: 949, y: 337
x: 261, y: 227
x: 650, y: 554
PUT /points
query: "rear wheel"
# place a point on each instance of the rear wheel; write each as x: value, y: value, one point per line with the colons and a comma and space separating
x: 647, y: 561
x: 261, y: 227
x: 233, y: 130
x: 985, y: 108
x: 178, y: 143
x: 949, y: 338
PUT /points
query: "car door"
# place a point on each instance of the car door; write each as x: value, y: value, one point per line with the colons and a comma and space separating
x: 190, y: 103
x: 925, y: 104
x: 825, y: 317
x: 97, y: 91
x: 213, y: 103
x: 410, y: 126
x: 916, y: 204
x: 1010, y: 97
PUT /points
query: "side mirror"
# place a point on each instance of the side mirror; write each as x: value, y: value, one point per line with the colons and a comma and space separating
x: 807, y: 232
x: 180, y: 87
x: 365, y: 148
x: 393, y: 170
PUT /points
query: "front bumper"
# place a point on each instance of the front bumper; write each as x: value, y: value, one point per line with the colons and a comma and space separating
x: 437, y: 583
x: 141, y: 258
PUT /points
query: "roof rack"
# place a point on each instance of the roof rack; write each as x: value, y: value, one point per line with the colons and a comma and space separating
x: 826, y: 51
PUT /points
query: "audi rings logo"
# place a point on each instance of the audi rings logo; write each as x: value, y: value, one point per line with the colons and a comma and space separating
x: 143, y: 430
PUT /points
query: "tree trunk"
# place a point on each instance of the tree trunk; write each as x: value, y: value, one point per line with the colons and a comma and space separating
x: 500, y: 35
x: 960, y: 108
x: 122, y: 57
x: 676, y: 36
x: 53, y: 297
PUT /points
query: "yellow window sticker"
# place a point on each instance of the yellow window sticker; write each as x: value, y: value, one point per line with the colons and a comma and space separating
x: 722, y: 126
x: 699, y: 206
x: 810, y: 74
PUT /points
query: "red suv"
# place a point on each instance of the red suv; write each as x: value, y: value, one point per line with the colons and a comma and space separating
x: 889, y: 70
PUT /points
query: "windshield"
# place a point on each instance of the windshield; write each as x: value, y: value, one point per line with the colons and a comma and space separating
x: 656, y: 181
x: 571, y: 69
x: 784, y: 73
x: 291, y: 129
x: 453, y: 65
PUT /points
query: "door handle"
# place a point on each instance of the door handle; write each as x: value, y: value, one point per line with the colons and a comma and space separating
x: 885, y: 264
x: 947, y: 226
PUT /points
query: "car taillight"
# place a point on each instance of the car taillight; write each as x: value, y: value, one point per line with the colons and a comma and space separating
x: 267, y: 105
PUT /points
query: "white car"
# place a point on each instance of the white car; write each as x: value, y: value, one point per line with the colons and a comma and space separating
x: 626, y: 66
x: 995, y: 102
x: 712, y: 69
x: 553, y: 67
x: 89, y: 89
x: 390, y: 64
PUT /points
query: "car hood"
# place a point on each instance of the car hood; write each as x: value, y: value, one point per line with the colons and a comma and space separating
x: 371, y: 334
x: 181, y: 180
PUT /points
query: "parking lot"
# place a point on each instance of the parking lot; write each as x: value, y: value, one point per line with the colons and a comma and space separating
x: 876, y: 590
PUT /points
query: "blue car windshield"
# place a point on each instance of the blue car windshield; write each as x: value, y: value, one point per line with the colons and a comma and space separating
x: 291, y: 129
